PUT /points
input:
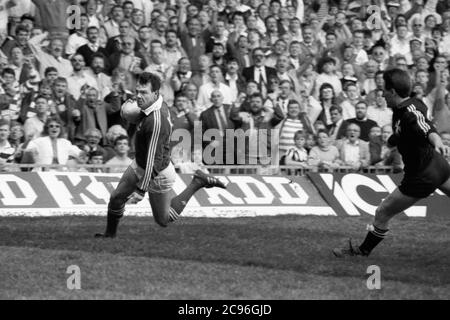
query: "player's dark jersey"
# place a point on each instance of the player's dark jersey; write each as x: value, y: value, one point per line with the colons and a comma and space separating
x: 411, y: 129
x: 152, y: 143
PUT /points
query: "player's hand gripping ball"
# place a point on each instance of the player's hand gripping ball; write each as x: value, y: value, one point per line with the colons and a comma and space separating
x: 131, y: 112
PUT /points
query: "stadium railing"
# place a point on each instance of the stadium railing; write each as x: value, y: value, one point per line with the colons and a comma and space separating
x: 213, y: 169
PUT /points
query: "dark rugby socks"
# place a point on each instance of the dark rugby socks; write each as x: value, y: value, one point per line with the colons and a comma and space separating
x: 180, y: 201
x: 373, y: 238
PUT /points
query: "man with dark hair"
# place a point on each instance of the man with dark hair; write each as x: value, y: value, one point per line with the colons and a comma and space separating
x: 423, y: 154
x: 362, y: 121
x: 92, y: 47
x: 152, y: 170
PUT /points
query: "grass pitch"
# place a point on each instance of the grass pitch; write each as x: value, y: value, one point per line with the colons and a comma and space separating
x: 287, y: 257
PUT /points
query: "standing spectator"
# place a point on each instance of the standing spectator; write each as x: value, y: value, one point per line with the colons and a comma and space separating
x: 111, y: 27
x: 379, y: 111
x: 97, y: 72
x: 201, y: 76
x: 172, y: 51
x: 183, y: 118
x: 259, y: 122
x: 34, y: 126
x: 258, y: 72
x: 121, y: 160
x: 96, y: 160
x: 233, y: 79
x: 79, y: 80
x: 353, y: 151
x: 350, y: 98
x: 93, y: 138
x: 52, y: 59
x: 160, y: 27
x: 65, y: 107
x: 204, y: 94
x: 20, y: 40
x: 78, y: 38
x: 112, y: 134
x: 294, y: 121
x: 92, y: 47
x: 338, y: 129
x: 52, y: 16
x: 216, y: 117
x: 327, y: 100
x: 362, y: 121
x: 127, y: 59
x: 192, y: 41
x: 182, y: 75
x: 93, y: 114
x: 327, y: 67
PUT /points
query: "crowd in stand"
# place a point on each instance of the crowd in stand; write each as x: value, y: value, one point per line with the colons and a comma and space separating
x: 310, y: 69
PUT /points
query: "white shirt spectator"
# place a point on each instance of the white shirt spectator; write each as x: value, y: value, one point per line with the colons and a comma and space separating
x: 43, y: 150
x: 382, y: 116
x: 75, y: 41
x: 77, y: 81
x: 399, y: 46
x: 204, y: 94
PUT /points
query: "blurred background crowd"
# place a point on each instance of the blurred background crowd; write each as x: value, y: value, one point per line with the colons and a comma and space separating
x: 312, y: 69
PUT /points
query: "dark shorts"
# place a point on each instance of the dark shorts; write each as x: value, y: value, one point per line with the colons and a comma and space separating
x: 424, y: 183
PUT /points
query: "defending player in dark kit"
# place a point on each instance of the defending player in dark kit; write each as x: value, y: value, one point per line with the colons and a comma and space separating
x: 423, y: 155
x: 152, y: 170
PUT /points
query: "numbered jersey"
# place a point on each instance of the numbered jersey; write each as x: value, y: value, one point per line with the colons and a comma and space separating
x: 411, y: 129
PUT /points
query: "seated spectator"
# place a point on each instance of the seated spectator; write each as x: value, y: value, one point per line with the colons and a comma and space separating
x: 121, y: 160
x: 324, y: 156
x: 112, y: 134
x: 353, y: 151
x: 96, y: 159
x: 6, y: 150
x: 51, y: 148
x: 93, y: 138
x: 297, y: 156
x: 381, y: 154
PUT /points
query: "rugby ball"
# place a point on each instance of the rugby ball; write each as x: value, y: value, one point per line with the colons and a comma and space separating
x: 130, y: 112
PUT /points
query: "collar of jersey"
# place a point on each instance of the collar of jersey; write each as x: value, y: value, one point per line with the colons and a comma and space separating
x: 155, y: 106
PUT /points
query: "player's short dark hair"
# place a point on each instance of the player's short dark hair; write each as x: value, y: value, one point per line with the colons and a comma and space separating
x: 399, y: 81
x: 147, y: 77
x: 120, y: 138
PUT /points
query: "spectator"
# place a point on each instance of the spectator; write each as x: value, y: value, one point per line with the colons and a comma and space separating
x: 379, y: 111
x: 113, y: 133
x: 93, y: 114
x: 362, y: 121
x: 96, y: 160
x: 381, y: 154
x: 182, y: 118
x: 204, y: 94
x: 324, y: 156
x: 353, y: 151
x: 79, y: 80
x: 259, y: 122
x: 53, y: 58
x: 327, y: 75
x: 97, y: 72
x: 297, y: 156
x: 327, y: 99
x: 121, y: 161
x: 51, y: 148
x: 350, y: 98
x: 296, y: 120
x: 127, y: 59
x: 6, y: 150
x: 172, y: 51
x: 111, y: 27
x: 79, y: 38
x: 192, y: 41
x: 20, y: 40
x: 65, y: 107
x: 34, y: 126
x: 216, y: 117
x: 92, y: 47
x: 337, y: 130
x: 258, y: 72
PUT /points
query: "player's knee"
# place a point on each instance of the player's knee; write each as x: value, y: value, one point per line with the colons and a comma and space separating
x: 162, y: 222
